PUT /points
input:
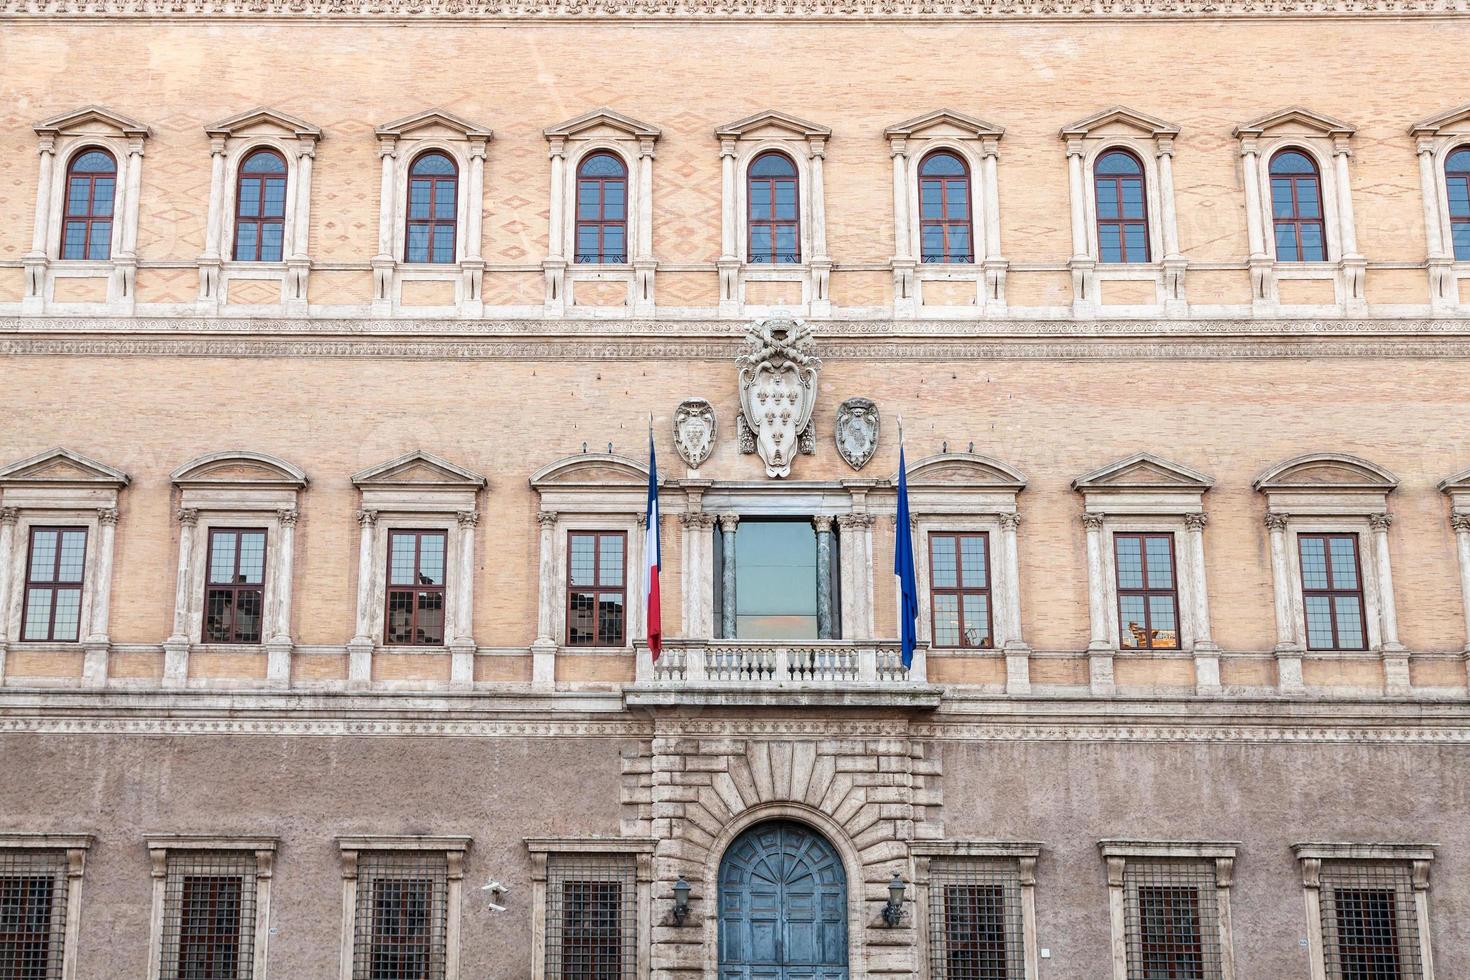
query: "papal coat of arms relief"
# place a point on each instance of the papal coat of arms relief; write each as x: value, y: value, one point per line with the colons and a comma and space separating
x: 857, y: 431
x: 694, y: 431
x: 778, y: 390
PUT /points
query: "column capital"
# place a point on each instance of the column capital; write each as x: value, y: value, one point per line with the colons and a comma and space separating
x: 1163, y: 146
x: 1092, y: 521
x: 1075, y: 147
x: 727, y: 147
x: 646, y: 148
x: 697, y: 518
x: 9, y: 515
x: 468, y: 518
x: 286, y: 516
x: 107, y: 516
x: 217, y: 145
x: 1380, y: 522
x: 1011, y: 521
x: 1275, y: 521
x: 46, y: 144
x: 1460, y: 522
x: 188, y: 516
x: 729, y: 522
x: 823, y: 523
x: 546, y: 518
x: 855, y: 520
x: 556, y: 146
x: 387, y: 146
x: 1196, y: 522
x: 1341, y: 147
x: 367, y: 518
x: 897, y: 146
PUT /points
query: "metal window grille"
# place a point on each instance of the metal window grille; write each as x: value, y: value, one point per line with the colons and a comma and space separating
x: 209, y: 916
x: 1172, y: 920
x: 591, y: 917
x: 1370, y: 928
x: 975, y: 928
x: 32, y: 914
x: 402, y: 916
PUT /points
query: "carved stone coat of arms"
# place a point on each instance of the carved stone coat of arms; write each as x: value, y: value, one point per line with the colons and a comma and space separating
x: 694, y: 431
x: 857, y: 431
x: 778, y: 391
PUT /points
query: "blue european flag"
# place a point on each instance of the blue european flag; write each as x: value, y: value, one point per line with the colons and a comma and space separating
x: 903, y: 567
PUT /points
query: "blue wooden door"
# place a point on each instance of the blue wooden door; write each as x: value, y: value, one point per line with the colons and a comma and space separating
x: 783, y: 906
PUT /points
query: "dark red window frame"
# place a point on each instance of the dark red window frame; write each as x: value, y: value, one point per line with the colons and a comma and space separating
x: 260, y: 220
x: 959, y: 590
x: 417, y: 591
x: 1121, y: 222
x: 26, y: 926
x: 1171, y: 941
x: 234, y: 588
x: 946, y: 226
x: 1457, y: 175
x: 1333, y: 593
x: 601, y: 223
x: 438, y: 185
x: 1146, y: 640
x: 91, y: 218
x: 402, y: 941
x: 597, y: 591
x: 210, y: 909
x: 769, y: 220
x: 1296, y: 220
x: 53, y: 586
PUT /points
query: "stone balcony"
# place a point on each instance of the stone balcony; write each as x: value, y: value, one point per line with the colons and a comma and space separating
x: 829, y: 673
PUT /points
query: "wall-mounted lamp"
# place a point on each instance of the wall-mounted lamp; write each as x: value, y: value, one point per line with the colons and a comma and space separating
x: 681, y: 901
x: 893, y: 911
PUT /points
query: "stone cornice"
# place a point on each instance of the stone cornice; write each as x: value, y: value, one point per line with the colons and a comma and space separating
x: 461, y: 12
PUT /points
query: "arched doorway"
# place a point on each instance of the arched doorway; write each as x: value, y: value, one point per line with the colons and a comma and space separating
x: 782, y: 906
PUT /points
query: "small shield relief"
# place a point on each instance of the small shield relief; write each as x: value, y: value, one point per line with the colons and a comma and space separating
x: 857, y: 431
x: 694, y: 431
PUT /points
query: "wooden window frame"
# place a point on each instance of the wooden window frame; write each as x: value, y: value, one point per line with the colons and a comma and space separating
x: 596, y: 589
x: 431, y: 223
x: 1122, y: 223
x: 1145, y: 591
x: 945, y: 223
x: 260, y: 221
x: 773, y: 257
x: 601, y: 222
x: 1331, y: 592
x: 234, y: 588
x: 54, y: 585
x: 960, y: 591
x: 1296, y: 221
x: 442, y: 589
x: 90, y: 218
x: 1463, y: 177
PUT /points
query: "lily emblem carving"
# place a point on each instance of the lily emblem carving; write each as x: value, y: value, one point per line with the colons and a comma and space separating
x: 857, y: 431
x: 778, y: 391
x: 694, y: 431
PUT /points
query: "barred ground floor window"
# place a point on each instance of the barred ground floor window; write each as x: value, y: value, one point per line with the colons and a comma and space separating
x: 592, y: 908
x: 211, y: 907
x: 1368, y: 910
x: 40, y: 876
x: 1169, y: 902
x: 976, y: 903
x: 403, y: 900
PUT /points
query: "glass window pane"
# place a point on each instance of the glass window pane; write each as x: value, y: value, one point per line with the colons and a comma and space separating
x: 582, y: 566
x: 1319, y: 622
x: 418, y: 198
x: 786, y: 250
x: 1308, y: 203
x: 1117, y: 163
x: 249, y: 198
x: 1110, y: 243
x: 100, y: 246
x: 1459, y: 195
x: 218, y: 615
x: 610, y: 571
x: 581, y: 621
x: 760, y: 198
x: 760, y: 243
x: 972, y: 563
x: 942, y: 551
x: 1286, y: 249
x: 263, y: 163
x: 401, y: 552
x: 610, y: 619
x: 443, y: 243
x: 247, y: 616
x: 43, y: 555
x: 1131, y: 629
x: 1313, y: 248
x: 786, y: 200
x: 1461, y: 235
x: 1344, y: 563
x: 275, y: 197
x: 959, y: 243
x: 1136, y: 238
x: 933, y: 243
x: 222, y: 558
x: 444, y: 192
x: 252, y: 557
x: 614, y: 197
x: 245, y: 250
x: 102, y: 190
x: 73, y: 551
x: 435, y: 164
x: 431, y: 559
x: 430, y: 618
x: 958, y: 195
x: 93, y: 162
x: 398, y: 628
x: 74, y: 240
x: 977, y: 620
x: 588, y: 200
x: 613, y: 249
x: 78, y: 195
x: 1132, y: 198
x: 1314, y: 562
x: 418, y: 243
x: 1129, y: 560
x: 773, y: 165
x: 930, y: 198
x: 1349, y: 623
x: 776, y: 580
x: 1165, y: 631
x: 1160, y: 563
x: 587, y: 244
x: 271, y: 242
x: 942, y: 165
x: 1281, y: 204
x: 946, y: 620
x: 1107, y: 199
x: 38, y: 614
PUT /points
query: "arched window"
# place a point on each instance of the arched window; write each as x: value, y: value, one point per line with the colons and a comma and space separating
x: 602, y: 209
x: 433, y: 193
x: 1457, y: 189
x: 944, y: 209
x: 772, y: 213
x: 1296, y: 208
x: 1122, y: 211
x: 260, y: 207
x: 91, y: 186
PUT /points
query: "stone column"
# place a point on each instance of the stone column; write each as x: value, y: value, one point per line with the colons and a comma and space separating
x: 555, y: 265
x: 1017, y: 653
x: 98, y: 645
x: 1082, y: 263
x: 729, y: 262
x: 8, y: 518
x: 728, y: 525
x: 644, y: 265
x: 994, y: 263
x: 820, y: 263
x: 1224, y: 880
x: 125, y: 257
x: 1263, y: 278
x: 1173, y: 263
x: 1100, y: 646
x: 1206, y: 652
x: 543, y: 649
x: 209, y: 262
x: 698, y: 574
x: 1395, y: 657
x: 360, y: 648
x: 35, y: 260
x: 1354, y: 266
x: 462, y: 645
x: 856, y: 560
x: 298, y: 264
x: 823, y: 524
x: 176, y: 647
x: 1443, y: 290
x: 472, y: 266
x: 279, y: 643
x: 384, y: 261
x: 905, y: 291
x: 1288, y: 650
x: 1460, y: 522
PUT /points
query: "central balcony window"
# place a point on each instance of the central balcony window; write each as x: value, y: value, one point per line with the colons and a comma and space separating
x: 774, y: 579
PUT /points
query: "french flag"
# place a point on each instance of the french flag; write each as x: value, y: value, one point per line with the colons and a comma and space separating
x: 653, y: 559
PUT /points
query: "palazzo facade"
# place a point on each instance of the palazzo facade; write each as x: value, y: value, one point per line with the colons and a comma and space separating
x: 333, y: 335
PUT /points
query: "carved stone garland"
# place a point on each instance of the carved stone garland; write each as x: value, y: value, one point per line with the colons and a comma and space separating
x: 778, y: 391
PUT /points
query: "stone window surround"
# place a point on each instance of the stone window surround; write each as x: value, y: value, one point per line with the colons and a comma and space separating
x: 569, y: 144
x: 1117, y: 853
x: 398, y: 148
x: 639, y: 848
x: 1152, y: 143
x: 1418, y: 857
x: 1023, y: 854
x: 1435, y: 139
x: 1359, y: 508
x: 978, y: 145
x: 388, y: 504
x: 806, y: 145
x: 1457, y: 488
x: 264, y: 850
x: 75, y: 848
x: 1112, y: 504
x: 29, y: 499
x: 207, y: 503
x: 59, y: 140
x: 452, y: 847
x: 231, y: 140
x: 1328, y: 144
